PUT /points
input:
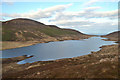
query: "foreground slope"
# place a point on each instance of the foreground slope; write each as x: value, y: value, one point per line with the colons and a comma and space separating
x: 101, y: 64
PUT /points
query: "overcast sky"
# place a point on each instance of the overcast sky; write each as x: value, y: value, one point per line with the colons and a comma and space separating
x: 90, y: 16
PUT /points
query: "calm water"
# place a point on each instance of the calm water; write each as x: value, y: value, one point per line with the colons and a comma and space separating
x: 57, y: 50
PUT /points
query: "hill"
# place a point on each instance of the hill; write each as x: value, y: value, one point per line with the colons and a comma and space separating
x: 25, y: 32
x: 113, y: 36
x: 22, y: 29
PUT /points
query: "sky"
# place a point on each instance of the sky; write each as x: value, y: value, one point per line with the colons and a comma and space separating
x: 89, y: 16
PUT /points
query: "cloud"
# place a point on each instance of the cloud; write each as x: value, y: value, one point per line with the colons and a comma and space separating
x: 90, y: 2
x: 89, y: 9
x: 94, y: 28
x: 9, y: 2
x: 100, y: 29
x: 86, y: 13
x: 58, y: 13
x: 46, y: 13
x: 110, y: 14
x: 85, y: 20
x: 73, y: 22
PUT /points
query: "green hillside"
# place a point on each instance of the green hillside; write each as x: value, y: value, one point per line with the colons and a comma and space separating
x: 27, y: 30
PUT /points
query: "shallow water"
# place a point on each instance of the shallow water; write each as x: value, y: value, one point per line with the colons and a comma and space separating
x: 57, y: 50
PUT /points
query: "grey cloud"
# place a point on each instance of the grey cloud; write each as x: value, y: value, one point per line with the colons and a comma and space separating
x: 46, y: 13
x: 86, y: 14
x: 90, y: 2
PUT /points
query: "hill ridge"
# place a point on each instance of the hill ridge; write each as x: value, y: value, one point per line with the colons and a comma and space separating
x: 23, y: 29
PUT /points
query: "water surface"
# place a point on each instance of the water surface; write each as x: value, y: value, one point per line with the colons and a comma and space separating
x: 57, y: 50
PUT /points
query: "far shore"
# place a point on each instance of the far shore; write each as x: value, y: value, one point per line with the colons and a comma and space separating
x: 13, y: 44
x: 17, y: 44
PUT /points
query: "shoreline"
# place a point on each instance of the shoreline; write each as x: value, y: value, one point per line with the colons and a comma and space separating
x: 30, y: 43
x: 19, y: 44
x: 84, y: 62
x: 98, y: 64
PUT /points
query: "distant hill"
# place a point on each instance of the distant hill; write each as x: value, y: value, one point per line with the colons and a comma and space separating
x: 22, y: 29
x: 113, y: 36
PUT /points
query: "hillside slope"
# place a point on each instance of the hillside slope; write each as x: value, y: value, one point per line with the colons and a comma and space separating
x: 29, y: 30
x: 113, y: 36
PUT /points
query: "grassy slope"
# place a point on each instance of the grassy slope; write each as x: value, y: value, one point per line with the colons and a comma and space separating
x: 23, y: 30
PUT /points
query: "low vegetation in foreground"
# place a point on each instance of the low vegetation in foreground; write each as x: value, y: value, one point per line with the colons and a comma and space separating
x: 101, y: 64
